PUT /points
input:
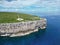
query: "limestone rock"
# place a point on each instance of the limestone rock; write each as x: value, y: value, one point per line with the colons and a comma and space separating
x: 21, y: 28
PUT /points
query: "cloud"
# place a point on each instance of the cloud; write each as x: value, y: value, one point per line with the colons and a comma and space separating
x: 30, y: 5
x: 17, y: 3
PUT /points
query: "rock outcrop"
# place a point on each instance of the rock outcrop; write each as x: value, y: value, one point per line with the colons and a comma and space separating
x: 21, y: 28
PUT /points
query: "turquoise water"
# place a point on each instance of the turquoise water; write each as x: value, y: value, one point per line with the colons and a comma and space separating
x: 49, y: 36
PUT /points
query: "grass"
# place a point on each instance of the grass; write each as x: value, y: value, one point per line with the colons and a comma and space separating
x: 11, y: 17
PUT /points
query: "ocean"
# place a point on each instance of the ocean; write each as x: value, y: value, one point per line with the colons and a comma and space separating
x: 48, y: 36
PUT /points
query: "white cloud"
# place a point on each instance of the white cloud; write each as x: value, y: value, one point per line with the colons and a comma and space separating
x: 31, y: 5
x: 18, y: 3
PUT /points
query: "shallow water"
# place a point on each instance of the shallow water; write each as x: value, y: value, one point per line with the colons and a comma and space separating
x: 49, y: 36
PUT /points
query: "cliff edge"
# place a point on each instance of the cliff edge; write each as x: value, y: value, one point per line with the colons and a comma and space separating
x: 21, y: 28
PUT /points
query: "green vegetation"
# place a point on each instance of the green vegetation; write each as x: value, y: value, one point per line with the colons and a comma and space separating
x: 11, y: 17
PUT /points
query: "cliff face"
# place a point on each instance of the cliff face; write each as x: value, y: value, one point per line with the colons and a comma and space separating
x: 21, y: 28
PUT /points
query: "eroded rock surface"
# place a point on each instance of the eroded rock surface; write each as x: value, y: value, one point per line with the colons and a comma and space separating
x: 21, y: 28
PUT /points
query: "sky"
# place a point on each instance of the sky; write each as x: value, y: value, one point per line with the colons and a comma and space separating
x: 42, y: 6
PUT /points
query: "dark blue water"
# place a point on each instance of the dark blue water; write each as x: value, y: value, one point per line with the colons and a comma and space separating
x: 49, y: 36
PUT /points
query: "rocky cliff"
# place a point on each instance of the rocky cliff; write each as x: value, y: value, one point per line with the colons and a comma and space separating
x: 21, y: 28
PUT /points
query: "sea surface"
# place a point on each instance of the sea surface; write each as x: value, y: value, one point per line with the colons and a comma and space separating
x: 48, y: 36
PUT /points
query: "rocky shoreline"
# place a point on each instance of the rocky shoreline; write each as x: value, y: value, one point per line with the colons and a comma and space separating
x: 21, y: 28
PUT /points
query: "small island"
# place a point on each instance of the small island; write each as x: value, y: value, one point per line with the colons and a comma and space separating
x: 18, y: 24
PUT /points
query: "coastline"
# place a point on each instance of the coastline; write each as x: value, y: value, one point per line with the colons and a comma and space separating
x: 24, y: 29
x: 23, y: 34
